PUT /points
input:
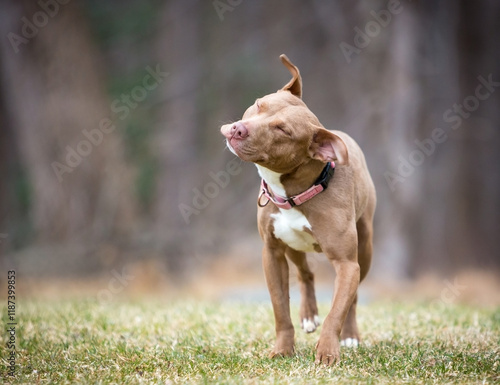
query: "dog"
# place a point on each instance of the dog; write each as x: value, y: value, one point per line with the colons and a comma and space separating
x: 316, y: 195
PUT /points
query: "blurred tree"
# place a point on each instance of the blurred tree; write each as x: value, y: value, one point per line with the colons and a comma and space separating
x: 54, y: 91
x: 408, y: 64
x: 176, y: 144
x: 473, y: 198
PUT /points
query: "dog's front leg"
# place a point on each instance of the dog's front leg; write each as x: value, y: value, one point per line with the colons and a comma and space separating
x: 346, y: 285
x: 276, y: 272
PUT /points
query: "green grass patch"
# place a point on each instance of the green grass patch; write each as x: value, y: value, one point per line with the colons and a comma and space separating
x: 227, y: 343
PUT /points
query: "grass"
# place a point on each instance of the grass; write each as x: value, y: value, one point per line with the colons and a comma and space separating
x: 227, y: 343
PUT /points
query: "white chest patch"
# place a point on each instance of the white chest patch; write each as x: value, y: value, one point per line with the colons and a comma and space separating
x: 289, y: 225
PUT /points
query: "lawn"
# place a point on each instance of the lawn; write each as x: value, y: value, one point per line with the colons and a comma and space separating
x: 128, y: 342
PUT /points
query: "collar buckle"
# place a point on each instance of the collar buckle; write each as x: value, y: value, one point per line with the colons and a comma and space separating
x: 319, y: 185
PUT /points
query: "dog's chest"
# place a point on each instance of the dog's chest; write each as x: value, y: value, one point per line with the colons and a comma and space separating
x: 293, y: 228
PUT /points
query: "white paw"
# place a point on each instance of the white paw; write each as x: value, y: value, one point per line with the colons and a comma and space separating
x: 350, y: 343
x: 310, y: 325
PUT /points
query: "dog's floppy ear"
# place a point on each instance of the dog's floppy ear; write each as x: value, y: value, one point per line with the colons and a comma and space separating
x: 327, y: 147
x: 294, y: 85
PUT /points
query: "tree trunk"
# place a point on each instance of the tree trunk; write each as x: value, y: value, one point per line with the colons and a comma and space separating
x: 176, y: 142
x: 54, y: 90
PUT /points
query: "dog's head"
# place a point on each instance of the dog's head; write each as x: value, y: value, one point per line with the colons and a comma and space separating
x: 280, y: 133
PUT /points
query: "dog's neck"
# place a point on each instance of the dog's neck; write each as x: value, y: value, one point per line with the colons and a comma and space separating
x: 293, y: 183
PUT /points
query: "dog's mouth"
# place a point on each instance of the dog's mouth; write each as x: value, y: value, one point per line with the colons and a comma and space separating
x: 228, y: 144
x: 244, y: 151
x: 237, y: 148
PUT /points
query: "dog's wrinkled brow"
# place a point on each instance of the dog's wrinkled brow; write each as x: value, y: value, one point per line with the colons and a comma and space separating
x: 261, y: 105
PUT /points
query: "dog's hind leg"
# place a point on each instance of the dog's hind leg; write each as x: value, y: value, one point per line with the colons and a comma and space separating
x: 350, y: 334
x: 309, y: 319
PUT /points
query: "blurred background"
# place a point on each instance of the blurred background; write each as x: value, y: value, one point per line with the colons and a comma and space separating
x: 112, y: 164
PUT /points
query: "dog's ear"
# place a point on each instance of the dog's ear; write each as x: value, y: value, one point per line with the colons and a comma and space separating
x: 327, y: 147
x: 294, y: 85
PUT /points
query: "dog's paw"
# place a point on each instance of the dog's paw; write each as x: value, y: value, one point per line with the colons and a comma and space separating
x: 350, y: 342
x: 327, y: 351
x: 284, y: 345
x: 310, y: 324
x: 282, y: 352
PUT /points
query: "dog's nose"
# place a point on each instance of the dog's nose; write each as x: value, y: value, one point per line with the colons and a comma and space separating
x: 239, y: 131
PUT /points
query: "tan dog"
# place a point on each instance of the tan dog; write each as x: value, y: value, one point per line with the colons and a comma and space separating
x: 317, y: 195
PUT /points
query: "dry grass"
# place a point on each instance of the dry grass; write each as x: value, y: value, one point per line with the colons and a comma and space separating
x: 128, y: 342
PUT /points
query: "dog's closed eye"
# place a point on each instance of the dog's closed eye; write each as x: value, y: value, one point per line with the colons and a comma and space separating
x: 280, y: 127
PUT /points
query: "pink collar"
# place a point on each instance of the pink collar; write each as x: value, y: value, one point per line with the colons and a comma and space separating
x: 319, y: 185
